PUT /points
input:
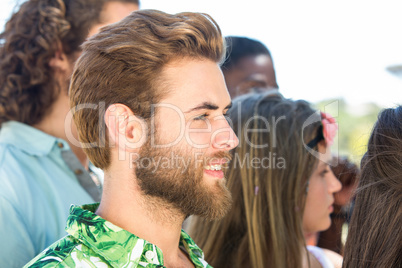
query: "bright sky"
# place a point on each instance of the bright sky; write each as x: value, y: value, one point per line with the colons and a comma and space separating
x: 321, y: 49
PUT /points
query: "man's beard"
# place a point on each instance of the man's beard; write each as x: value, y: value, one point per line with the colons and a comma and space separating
x: 182, y: 186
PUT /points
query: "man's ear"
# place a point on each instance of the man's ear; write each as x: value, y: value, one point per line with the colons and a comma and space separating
x: 60, y: 61
x: 126, y: 131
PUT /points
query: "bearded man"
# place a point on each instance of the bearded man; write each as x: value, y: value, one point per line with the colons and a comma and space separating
x: 148, y: 98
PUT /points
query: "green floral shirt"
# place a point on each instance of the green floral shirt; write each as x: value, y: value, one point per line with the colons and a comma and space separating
x: 95, y: 242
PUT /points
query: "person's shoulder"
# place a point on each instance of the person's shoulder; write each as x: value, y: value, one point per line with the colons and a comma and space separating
x: 15, y: 171
x: 5, y: 154
x: 12, y: 156
x: 327, y: 258
x: 66, y: 252
x: 334, y: 257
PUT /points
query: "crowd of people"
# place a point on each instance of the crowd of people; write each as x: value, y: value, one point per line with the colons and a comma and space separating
x: 118, y: 125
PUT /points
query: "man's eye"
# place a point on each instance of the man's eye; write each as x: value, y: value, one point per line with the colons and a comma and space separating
x: 201, y: 117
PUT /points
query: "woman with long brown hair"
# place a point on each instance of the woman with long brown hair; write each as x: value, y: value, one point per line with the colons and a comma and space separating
x: 282, y: 187
x: 375, y: 232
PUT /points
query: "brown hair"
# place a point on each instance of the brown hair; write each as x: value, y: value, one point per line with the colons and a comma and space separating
x: 264, y: 227
x: 31, y: 38
x: 123, y: 63
x: 375, y: 232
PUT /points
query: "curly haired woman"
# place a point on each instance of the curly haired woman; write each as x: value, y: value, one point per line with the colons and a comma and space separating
x: 42, y: 172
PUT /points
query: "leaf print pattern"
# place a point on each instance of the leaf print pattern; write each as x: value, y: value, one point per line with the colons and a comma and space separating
x: 95, y: 242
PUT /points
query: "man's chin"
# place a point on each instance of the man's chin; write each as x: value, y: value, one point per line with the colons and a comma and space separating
x: 217, y: 215
x: 221, y: 204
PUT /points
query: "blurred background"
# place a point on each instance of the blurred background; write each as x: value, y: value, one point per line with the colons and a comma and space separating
x: 343, y: 56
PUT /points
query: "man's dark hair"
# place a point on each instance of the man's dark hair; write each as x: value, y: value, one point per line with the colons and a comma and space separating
x: 375, y: 231
x: 241, y: 47
x: 31, y: 38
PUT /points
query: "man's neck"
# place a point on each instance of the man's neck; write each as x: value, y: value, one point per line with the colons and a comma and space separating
x: 149, y: 218
x: 54, y: 124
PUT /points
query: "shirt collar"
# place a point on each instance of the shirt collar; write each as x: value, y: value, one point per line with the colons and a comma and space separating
x: 29, y: 139
x: 119, y: 246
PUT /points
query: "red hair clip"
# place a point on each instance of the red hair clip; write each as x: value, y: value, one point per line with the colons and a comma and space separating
x: 326, y: 132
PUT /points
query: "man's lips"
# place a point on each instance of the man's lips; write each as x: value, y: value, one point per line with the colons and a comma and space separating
x: 214, y: 167
x: 214, y: 173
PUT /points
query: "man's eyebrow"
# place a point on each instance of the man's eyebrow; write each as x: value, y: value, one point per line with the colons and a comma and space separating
x: 207, y: 106
x: 204, y: 105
